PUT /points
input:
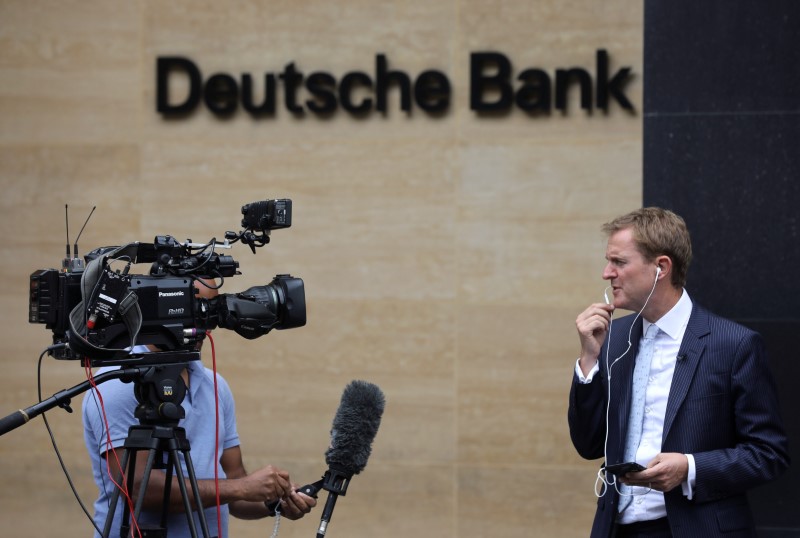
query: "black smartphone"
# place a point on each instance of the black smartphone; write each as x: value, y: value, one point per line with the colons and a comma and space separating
x: 620, y: 469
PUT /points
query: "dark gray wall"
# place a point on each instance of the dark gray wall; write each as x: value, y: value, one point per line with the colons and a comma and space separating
x: 722, y: 149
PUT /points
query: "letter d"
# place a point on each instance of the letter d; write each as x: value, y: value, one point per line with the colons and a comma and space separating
x: 164, y: 66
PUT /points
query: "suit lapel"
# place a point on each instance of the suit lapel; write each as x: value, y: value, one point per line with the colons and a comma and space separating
x: 691, y: 350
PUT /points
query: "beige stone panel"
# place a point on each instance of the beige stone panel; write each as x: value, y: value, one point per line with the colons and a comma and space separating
x: 384, y: 500
x: 514, y: 373
x: 530, y: 216
x: 554, y: 27
x: 524, y: 501
x: 70, y: 71
x: 288, y: 384
x: 369, y: 220
x: 38, y: 180
x: 333, y: 33
x: 37, y: 183
x: 67, y: 34
x: 40, y: 500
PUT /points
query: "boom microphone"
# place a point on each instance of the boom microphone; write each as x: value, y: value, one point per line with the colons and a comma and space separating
x: 354, y: 428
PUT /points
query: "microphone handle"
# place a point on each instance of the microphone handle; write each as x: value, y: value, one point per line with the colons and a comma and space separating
x: 327, y: 512
x: 311, y: 489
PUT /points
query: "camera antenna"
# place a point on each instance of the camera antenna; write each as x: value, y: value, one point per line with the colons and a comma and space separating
x: 81, y: 232
x: 74, y: 263
x: 66, y: 217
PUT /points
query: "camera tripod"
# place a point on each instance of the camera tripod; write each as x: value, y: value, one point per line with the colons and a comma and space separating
x: 157, y: 440
x: 159, y: 391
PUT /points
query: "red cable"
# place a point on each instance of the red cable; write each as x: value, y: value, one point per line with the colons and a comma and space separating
x: 216, y: 433
x: 124, y: 487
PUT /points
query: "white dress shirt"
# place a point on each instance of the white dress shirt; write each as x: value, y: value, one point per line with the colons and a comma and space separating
x: 646, y: 504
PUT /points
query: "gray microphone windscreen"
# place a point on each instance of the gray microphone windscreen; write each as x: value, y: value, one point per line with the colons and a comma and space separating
x: 354, y: 427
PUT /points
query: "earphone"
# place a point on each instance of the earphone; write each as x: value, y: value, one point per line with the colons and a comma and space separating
x: 600, y: 477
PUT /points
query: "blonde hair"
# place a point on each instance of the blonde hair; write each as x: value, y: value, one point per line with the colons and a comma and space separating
x: 658, y: 232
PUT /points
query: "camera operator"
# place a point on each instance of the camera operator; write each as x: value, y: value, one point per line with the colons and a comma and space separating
x: 243, y: 495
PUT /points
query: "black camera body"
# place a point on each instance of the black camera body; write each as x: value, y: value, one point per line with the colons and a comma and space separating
x: 53, y: 294
x: 173, y: 318
x: 100, y: 313
x: 267, y: 215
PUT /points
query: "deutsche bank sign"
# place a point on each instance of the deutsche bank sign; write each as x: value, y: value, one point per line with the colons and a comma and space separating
x: 494, y: 86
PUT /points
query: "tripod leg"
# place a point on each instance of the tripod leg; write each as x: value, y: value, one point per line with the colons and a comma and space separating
x: 148, y: 468
x: 167, y: 490
x: 112, y: 508
x: 185, y: 494
x: 196, y: 492
x: 173, y: 463
x: 159, y: 440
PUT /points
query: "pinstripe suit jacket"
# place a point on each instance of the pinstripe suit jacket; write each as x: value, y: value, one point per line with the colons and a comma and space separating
x: 722, y: 409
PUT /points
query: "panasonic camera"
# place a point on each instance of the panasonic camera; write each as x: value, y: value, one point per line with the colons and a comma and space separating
x: 99, y: 311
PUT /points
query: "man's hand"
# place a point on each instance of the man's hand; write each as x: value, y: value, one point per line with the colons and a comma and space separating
x: 296, y: 505
x: 267, y: 484
x: 664, y: 473
x: 592, y: 325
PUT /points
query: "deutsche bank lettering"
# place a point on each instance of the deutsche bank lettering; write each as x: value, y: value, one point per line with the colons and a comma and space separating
x: 494, y: 88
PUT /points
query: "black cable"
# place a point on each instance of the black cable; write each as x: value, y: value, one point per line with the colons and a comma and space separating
x: 55, y: 446
x: 93, y: 392
x: 205, y: 284
x: 213, y: 245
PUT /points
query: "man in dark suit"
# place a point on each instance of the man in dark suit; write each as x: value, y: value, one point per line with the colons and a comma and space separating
x: 693, y: 402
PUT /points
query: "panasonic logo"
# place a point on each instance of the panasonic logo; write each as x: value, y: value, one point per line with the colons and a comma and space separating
x: 171, y: 294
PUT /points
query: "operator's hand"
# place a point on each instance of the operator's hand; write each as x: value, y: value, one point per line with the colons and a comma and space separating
x: 592, y: 325
x: 268, y: 484
x: 296, y: 504
x: 664, y: 473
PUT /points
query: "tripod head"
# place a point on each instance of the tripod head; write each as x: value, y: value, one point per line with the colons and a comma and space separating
x: 159, y: 387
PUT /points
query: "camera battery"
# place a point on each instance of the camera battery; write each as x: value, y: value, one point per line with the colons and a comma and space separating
x: 111, y: 288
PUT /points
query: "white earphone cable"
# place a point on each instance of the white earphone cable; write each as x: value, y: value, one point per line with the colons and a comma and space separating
x: 601, y: 478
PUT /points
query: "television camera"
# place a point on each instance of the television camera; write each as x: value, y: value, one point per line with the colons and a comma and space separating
x: 99, y: 313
